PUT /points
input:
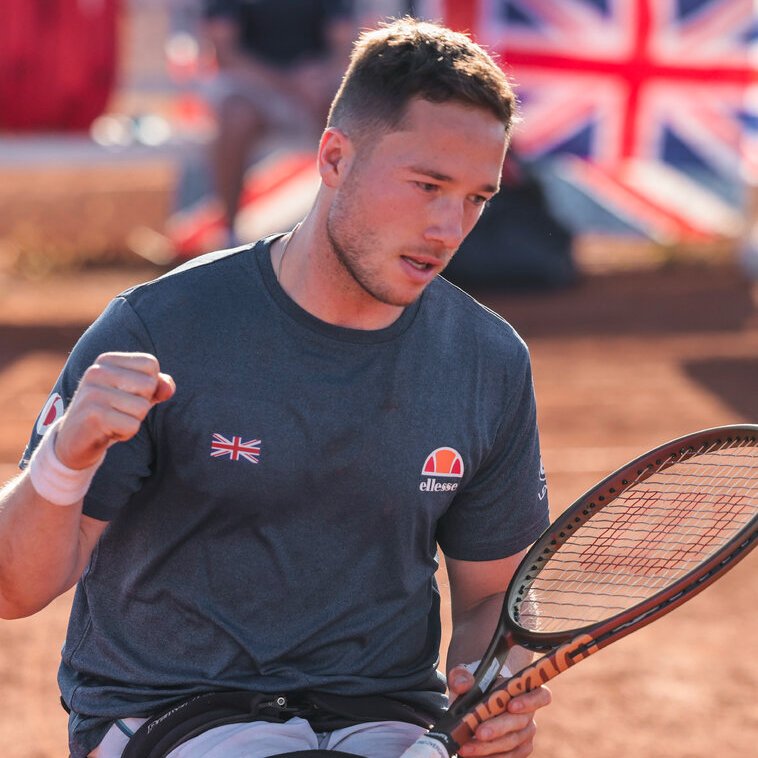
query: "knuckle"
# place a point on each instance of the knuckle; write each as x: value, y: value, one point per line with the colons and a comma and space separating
x: 146, y: 362
x: 134, y: 361
x: 135, y: 384
x: 142, y: 407
x: 524, y: 721
x: 133, y: 425
x: 526, y: 748
x: 93, y: 374
x: 127, y: 426
x: 541, y: 696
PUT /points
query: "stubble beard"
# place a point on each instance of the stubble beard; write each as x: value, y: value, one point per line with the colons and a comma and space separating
x: 352, y: 248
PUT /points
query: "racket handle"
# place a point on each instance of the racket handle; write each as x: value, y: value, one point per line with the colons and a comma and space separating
x: 426, y: 747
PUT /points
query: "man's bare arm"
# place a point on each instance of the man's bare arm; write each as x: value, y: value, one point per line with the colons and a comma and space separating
x: 477, y: 589
x: 44, y: 547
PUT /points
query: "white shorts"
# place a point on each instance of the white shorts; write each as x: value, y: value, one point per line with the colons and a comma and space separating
x: 261, y: 739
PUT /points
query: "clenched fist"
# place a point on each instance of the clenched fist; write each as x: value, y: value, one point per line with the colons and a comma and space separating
x: 114, y: 396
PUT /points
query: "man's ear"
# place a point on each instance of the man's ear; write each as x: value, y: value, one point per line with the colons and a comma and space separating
x: 336, y: 153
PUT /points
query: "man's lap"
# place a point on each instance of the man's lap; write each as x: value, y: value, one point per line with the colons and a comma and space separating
x: 261, y: 739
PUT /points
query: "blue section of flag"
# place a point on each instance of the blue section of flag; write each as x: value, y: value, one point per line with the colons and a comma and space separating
x: 676, y: 151
x: 749, y: 120
x: 686, y: 8
x: 751, y: 33
x: 513, y: 14
x: 579, y: 143
x: 602, y: 6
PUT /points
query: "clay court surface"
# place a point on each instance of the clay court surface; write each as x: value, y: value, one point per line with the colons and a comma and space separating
x: 622, y: 362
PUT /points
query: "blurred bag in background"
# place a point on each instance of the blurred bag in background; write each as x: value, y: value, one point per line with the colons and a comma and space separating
x: 519, y: 243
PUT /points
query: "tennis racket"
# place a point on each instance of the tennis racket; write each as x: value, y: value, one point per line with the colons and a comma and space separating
x: 642, y: 542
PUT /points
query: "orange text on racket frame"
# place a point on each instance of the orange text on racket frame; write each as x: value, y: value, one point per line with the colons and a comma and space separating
x: 530, y: 678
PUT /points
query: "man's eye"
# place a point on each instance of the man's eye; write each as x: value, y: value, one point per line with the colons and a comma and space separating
x: 426, y: 186
x: 480, y: 200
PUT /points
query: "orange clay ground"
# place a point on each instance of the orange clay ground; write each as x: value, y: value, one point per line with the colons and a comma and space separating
x: 622, y: 362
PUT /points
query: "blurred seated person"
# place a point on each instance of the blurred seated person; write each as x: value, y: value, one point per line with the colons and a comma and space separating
x: 279, y: 64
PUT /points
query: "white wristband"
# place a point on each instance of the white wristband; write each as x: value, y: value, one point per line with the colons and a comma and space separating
x: 504, y: 671
x: 54, y: 481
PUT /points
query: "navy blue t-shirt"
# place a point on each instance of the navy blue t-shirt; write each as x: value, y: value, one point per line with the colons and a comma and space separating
x: 274, y: 526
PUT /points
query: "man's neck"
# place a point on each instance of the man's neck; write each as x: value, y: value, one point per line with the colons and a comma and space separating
x: 310, y: 273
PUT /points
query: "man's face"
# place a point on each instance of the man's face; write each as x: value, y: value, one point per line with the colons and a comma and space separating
x: 409, y: 200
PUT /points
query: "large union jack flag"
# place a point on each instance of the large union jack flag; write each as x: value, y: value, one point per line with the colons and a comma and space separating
x: 235, y: 448
x: 647, y: 97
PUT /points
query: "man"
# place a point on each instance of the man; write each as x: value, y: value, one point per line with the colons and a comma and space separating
x: 267, y: 514
x: 280, y: 63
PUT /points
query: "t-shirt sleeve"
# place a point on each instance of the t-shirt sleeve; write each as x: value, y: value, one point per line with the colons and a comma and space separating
x: 504, y: 507
x: 126, y: 464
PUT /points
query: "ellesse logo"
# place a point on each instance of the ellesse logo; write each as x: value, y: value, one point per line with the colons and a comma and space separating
x: 442, y: 462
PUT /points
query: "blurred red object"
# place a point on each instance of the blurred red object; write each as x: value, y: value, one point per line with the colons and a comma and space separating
x: 57, y: 63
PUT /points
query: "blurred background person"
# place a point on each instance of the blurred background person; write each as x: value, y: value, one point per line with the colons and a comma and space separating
x: 279, y: 64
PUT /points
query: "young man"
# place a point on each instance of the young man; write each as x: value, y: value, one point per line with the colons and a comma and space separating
x: 267, y: 515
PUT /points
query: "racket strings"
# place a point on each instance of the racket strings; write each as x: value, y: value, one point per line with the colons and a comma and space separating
x: 652, y: 534
x: 647, y: 539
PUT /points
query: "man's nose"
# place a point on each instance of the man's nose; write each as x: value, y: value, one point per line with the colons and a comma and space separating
x: 446, y: 226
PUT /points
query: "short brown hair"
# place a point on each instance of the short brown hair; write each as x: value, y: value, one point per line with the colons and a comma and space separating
x: 407, y: 58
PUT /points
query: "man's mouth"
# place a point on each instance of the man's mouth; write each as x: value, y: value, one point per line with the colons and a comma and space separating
x: 419, y: 265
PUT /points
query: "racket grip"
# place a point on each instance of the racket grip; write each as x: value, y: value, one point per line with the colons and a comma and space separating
x: 426, y: 747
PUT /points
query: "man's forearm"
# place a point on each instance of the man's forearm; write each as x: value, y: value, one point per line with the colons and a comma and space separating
x: 472, y: 632
x: 39, y: 548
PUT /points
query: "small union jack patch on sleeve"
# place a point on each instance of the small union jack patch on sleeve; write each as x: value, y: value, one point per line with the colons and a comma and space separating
x: 235, y: 448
